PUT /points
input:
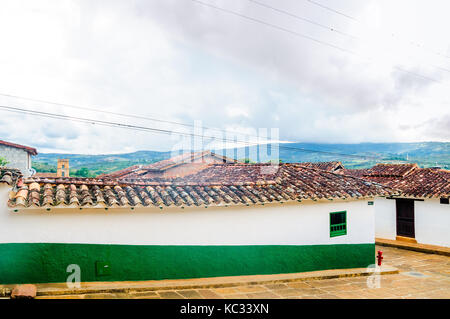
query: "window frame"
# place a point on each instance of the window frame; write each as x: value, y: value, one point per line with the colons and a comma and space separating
x: 340, y: 232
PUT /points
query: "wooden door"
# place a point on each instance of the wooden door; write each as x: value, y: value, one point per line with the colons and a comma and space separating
x: 405, y: 217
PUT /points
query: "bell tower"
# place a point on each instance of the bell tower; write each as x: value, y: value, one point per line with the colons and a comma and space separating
x: 63, y: 168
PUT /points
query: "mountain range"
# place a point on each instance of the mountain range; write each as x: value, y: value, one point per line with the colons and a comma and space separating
x: 362, y: 155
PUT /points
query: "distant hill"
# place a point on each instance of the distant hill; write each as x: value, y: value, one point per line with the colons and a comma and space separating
x: 427, y: 154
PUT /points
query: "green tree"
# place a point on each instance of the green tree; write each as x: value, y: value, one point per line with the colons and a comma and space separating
x: 83, y: 172
x: 274, y: 161
x: 3, y: 161
x: 246, y: 160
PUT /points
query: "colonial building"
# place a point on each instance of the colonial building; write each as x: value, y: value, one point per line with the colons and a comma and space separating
x: 225, y: 220
x: 334, y: 166
x: 18, y: 156
x: 177, y: 166
x: 421, y: 213
x: 62, y: 170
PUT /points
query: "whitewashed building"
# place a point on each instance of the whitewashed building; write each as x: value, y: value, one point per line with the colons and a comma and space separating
x: 421, y: 212
x: 18, y: 156
x: 228, y: 219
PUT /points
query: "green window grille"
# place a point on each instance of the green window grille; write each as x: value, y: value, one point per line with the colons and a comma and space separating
x: 338, y: 224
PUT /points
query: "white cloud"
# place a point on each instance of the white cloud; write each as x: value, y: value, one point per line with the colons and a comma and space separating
x: 181, y: 61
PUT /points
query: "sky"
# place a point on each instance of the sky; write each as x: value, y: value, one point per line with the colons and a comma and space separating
x: 322, y: 71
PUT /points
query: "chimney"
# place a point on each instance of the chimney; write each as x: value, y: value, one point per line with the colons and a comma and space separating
x: 63, y: 168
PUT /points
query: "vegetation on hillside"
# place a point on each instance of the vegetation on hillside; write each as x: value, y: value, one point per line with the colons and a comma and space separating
x: 429, y: 154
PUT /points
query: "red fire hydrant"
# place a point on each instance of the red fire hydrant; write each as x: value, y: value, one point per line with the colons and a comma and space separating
x: 380, y: 257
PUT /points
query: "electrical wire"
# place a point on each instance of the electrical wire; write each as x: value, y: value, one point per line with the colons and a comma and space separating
x: 298, y: 34
x: 412, y: 43
x: 329, y: 28
x: 170, y: 132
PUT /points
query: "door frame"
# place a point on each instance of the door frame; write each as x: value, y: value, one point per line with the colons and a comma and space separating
x: 397, y: 219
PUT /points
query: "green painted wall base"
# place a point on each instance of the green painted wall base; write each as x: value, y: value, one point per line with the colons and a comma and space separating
x: 40, y: 263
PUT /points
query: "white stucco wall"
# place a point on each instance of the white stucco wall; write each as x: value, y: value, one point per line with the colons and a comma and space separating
x: 17, y: 158
x: 385, y: 218
x: 432, y: 222
x: 305, y: 223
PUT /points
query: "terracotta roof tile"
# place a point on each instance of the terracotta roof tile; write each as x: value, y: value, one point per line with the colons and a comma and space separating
x: 218, y: 184
x: 10, y: 176
x: 410, y: 179
x: 45, y: 174
x: 139, y: 171
x: 30, y: 150
x: 391, y: 170
x: 326, y: 166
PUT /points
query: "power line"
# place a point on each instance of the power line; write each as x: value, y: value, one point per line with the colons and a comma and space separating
x: 412, y: 43
x: 170, y: 132
x: 298, y: 34
x: 155, y: 130
x: 150, y: 129
x: 277, y: 27
x: 111, y: 124
x: 329, y: 28
x: 142, y: 117
x: 331, y: 9
x: 88, y: 121
x: 107, y: 123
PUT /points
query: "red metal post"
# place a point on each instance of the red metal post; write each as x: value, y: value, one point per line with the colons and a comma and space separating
x: 380, y: 257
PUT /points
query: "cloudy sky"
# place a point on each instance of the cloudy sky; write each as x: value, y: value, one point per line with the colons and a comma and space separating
x: 370, y: 71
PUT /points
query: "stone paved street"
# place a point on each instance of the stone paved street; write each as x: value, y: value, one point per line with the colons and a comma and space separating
x: 421, y: 276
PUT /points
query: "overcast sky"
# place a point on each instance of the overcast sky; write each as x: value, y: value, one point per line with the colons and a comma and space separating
x: 381, y: 73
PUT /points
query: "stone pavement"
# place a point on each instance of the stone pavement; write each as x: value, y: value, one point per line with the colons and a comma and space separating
x: 421, y: 276
x: 413, y: 246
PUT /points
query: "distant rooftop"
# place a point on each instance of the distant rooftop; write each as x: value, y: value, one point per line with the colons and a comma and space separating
x: 30, y: 150
x: 412, y: 180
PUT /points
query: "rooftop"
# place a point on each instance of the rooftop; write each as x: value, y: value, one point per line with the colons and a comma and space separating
x: 217, y: 185
x: 410, y: 179
x: 30, y: 150
x: 190, y: 157
x: 327, y: 166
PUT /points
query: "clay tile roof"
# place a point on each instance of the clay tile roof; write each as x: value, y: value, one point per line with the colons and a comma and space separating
x: 140, y: 170
x: 410, y: 179
x: 10, y: 176
x: 30, y: 150
x: 327, y: 166
x: 45, y: 174
x: 217, y: 185
x: 121, y: 172
x: 184, y: 158
x: 391, y: 170
x: 355, y: 172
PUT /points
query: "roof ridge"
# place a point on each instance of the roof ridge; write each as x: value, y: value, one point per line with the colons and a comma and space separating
x: 30, y: 150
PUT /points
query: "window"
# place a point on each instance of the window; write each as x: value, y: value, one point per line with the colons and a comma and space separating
x: 338, y: 224
x: 444, y: 200
x: 62, y: 166
x: 62, y: 174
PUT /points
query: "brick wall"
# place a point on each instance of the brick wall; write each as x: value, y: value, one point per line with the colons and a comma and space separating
x: 17, y: 158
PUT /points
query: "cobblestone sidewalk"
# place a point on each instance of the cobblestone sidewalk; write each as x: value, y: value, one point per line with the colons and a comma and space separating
x: 421, y: 276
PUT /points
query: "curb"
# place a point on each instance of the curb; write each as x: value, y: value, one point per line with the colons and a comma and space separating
x: 414, y: 247
x: 203, y: 283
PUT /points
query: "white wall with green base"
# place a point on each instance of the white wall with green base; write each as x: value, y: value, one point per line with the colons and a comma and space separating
x: 37, y: 245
